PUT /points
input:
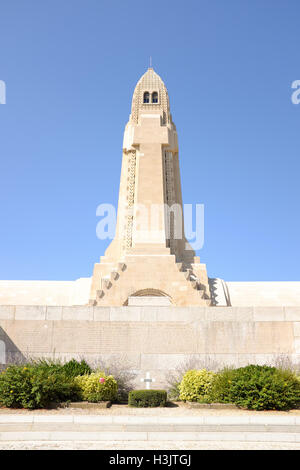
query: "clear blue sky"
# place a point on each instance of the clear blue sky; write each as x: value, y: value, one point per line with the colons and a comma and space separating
x: 70, y: 68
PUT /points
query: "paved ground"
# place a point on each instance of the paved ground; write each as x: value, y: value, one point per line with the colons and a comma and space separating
x: 179, y: 410
x: 149, y: 428
x: 142, y: 445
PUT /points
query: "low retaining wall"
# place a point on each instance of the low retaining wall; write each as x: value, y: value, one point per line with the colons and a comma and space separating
x: 152, y: 339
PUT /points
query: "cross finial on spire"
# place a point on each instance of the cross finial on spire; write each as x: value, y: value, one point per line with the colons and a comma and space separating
x: 150, y: 62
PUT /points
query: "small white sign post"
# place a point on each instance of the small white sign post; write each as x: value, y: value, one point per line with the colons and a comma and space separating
x: 147, y: 380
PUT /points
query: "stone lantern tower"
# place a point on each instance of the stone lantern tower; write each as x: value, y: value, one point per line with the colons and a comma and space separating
x: 150, y: 255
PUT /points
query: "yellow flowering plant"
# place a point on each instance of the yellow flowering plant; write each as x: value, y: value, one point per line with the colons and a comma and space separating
x: 97, y: 387
x: 196, y: 385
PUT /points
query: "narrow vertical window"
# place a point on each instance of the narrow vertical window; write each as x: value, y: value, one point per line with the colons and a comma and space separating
x: 146, y: 97
x: 154, y: 97
x: 2, y: 352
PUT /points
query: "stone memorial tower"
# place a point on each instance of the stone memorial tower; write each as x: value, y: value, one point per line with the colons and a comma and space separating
x: 150, y: 255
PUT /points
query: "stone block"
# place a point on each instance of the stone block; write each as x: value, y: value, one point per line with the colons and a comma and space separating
x: 25, y: 436
x: 292, y: 313
x: 90, y: 419
x: 181, y: 314
x: 29, y: 337
x: 14, y: 418
x: 7, y: 312
x: 125, y: 314
x: 268, y: 314
x: 135, y: 419
x: 270, y: 437
x: 149, y: 313
x: 227, y: 337
x: 97, y: 436
x: 221, y: 314
x: 54, y: 313
x: 161, y: 361
x: 170, y: 338
x: 296, y: 326
x: 229, y: 314
x: 30, y: 312
x: 14, y: 427
x: 285, y: 428
x: 101, y: 313
x: 213, y: 406
x: 195, y: 436
x: 152, y: 301
x: 275, y: 337
x: 278, y: 420
x: 184, y: 420
x: 72, y: 337
x: 52, y: 419
x: 85, y: 405
x: 244, y: 314
x: 226, y: 420
x: 78, y: 313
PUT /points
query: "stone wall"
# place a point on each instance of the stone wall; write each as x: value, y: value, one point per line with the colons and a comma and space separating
x: 154, y: 339
x: 67, y: 293
x: 45, y: 292
x: 262, y: 293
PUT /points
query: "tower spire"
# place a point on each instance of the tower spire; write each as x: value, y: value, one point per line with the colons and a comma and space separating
x: 150, y: 254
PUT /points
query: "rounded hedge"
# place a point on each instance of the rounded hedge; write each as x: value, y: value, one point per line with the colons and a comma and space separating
x: 147, y: 398
x: 196, y: 385
x: 257, y: 388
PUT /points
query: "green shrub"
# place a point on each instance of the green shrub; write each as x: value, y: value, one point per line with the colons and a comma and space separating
x: 45, y: 364
x: 257, y: 388
x: 97, y: 387
x: 196, y: 385
x: 221, y: 385
x: 74, y: 368
x: 147, y: 398
x: 71, y: 368
x: 31, y: 386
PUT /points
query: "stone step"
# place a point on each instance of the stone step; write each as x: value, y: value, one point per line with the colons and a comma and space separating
x: 160, y: 437
x: 248, y: 418
x: 152, y: 428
